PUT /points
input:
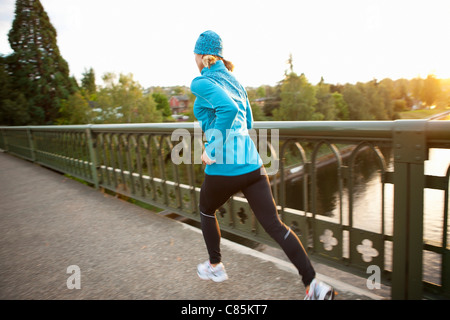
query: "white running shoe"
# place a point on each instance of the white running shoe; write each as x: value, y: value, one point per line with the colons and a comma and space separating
x: 206, y: 272
x: 320, y: 291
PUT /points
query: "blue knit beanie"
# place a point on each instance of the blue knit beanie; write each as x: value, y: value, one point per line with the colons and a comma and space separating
x: 209, y: 42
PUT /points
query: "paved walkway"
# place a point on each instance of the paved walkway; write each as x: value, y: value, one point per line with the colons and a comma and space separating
x: 49, y: 222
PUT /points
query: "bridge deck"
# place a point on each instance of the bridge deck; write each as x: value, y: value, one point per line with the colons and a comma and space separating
x: 49, y: 222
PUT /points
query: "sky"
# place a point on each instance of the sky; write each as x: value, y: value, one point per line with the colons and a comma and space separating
x: 343, y: 41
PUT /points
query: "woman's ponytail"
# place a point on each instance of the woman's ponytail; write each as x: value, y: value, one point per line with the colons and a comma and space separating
x: 209, y: 60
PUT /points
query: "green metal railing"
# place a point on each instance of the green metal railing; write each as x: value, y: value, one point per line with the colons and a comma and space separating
x: 135, y: 160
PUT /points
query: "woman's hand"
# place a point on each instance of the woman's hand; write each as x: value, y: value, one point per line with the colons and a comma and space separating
x: 206, y: 159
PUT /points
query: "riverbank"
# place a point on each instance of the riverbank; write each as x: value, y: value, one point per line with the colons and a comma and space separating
x: 422, y: 114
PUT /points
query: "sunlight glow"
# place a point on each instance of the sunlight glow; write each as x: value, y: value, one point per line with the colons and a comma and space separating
x: 342, y: 41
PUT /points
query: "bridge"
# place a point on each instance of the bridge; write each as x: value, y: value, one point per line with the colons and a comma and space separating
x: 131, y: 252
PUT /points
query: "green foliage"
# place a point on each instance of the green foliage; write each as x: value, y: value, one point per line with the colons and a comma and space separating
x: 75, y: 110
x: 13, y: 105
x: 124, y: 102
x: 36, y: 67
x: 162, y: 104
x: 341, y: 107
x: 298, y: 98
x: 431, y: 90
x: 368, y: 101
x: 294, y: 98
x: 88, y: 82
x: 257, y: 113
x: 325, y: 101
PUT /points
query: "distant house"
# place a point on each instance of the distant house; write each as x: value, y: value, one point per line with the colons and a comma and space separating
x: 179, y: 104
x: 261, y: 101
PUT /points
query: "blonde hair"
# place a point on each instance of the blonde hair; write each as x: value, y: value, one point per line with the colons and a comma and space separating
x: 209, y: 60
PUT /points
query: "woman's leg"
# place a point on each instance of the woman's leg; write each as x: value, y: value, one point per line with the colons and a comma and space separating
x: 215, y: 191
x: 259, y: 196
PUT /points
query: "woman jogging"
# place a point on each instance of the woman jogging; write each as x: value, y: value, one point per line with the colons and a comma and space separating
x: 233, y: 164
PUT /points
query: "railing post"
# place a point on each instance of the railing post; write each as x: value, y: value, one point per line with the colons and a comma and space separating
x: 5, y: 140
x: 31, y: 144
x: 92, y: 155
x: 410, y: 153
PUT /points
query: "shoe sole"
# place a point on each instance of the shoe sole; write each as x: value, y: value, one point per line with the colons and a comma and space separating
x: 211, y: 278
x: 331, y: 294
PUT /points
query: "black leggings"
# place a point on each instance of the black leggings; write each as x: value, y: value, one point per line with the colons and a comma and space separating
x: 255, y: 186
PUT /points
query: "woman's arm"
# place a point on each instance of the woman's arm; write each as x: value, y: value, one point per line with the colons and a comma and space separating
x: 225, y: 110
x: 249, y: 115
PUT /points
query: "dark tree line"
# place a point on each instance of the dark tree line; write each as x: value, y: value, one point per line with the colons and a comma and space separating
x: 35, y: 78
x: 295, y: 98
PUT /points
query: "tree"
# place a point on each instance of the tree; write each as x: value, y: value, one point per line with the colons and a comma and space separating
x: 416, y: 88
x: 88, y: 82
x: 368, y: 101
x: 400, y: 94
x: 261, y: 92
x: 325, y: 101
x: 162, y: 104
x: 298, y: 98
x: 358, y: 106
x: 75, y: 110
x: 384, y: 90
x: 431, y: 90
x: 341, y: 107
x: 13, y: 105
x: 257, y: 113
x: 273, y: 100
x: 38, y: 69
x: 124, y: 102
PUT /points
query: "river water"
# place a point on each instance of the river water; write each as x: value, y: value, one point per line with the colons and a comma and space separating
x: 367, y: 201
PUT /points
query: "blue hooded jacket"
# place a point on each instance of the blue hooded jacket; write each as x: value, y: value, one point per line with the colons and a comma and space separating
x: 224, y: 113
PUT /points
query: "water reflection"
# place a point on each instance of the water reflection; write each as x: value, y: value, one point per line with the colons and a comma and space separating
x: 367, y: 192
x: 368, y: 201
